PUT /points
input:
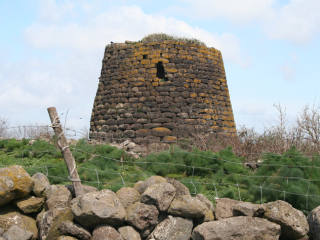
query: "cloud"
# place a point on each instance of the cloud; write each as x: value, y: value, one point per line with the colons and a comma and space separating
x: 252, y: 109
x: 288, y: 69
x: 122, y: 23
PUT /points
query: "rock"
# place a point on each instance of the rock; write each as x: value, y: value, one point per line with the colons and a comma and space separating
x: 180, y: 188
x: 94, y: 208
x: 40, y: 216
x: 15, y: 183
x: 188, y: 207
x: 224, y: 208
x: 129, y: 233
x: 314, y: 223
x: 85, y: 188
x: 54, y: 189
x: 66, y: 238
x: 292, y: 221
x: 1, y: 229
x: 105, y: 232
x: 173, y: 228
x: 159, y: 195
x: 137, y: 185
x: 141, y: 215
x: 206, y: 201
x: 51, y: 220
x: 11, y: 215
x: 16, y: 233
x: 128, y: 196
x: 237, y: 228
x: 248, y: 209
x: 41, y: 186
x: 60, y: 199
x: 29, y: 204
x: 150, y: 181
x: 146, y: 232
x: 31, y: 142
x: 72, y: 229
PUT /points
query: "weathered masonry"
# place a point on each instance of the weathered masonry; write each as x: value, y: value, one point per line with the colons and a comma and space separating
x: 161, y: 91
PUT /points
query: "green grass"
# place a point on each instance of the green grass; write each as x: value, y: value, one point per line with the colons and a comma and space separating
x: 214, y: 174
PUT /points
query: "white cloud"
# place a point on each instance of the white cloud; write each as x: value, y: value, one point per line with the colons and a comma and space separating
x: 253, y: 109
x: 288, y: 69
x: 124, y: 23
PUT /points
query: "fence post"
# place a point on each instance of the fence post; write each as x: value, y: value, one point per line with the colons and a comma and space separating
x: 66, y: 153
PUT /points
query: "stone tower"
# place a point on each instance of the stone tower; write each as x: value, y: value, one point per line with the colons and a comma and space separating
x: 161, y: 91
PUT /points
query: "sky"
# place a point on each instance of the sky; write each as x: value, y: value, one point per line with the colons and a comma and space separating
x: 51, y: 52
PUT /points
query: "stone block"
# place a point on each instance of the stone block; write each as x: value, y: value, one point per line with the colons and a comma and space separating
x: 161, y: 132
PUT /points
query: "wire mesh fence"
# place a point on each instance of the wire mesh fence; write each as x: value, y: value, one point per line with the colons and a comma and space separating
x: 292, y: 176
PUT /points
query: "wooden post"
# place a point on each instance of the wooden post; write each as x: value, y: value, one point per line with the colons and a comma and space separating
x: 66, y: 153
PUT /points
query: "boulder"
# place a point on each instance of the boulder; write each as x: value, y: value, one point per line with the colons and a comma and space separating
x: 173, y: 228
x: 59, y: 199
x: 16, y: 233
x: 85, y: 188
x: 94, y: 208
x: 141, y: 215
x: 188, y: 207
x: 66, y: 238
x: 159, y: 195
x: 137, y: 185
x: 41, y: 186
x: 237, y: 228
x: 1, y: 232
x: 314, y: 223
x: 72, y: 229
x: 15, y: 183
x: 29, y: 204
x: 51, y: 220
x: 128, y: 196
x: 224, y: 208
x: 105, y: 232
x: 180, y: 188
x: 146, y: 232
x: 150, y: 181
x: 293, y: 222
x: 206, y: 201
x: 11, y: 215
x: 249, y: 209
x: 129, y: 233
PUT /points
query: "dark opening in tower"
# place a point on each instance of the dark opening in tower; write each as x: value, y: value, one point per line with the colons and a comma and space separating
x: 160, y: 72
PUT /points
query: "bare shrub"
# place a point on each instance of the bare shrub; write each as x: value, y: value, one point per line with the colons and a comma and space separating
x: 4, y: 127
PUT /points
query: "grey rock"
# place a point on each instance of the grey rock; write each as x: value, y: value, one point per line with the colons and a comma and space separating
x: 75, y: 230
x: 141, y: 215
x: 128, y: 196
x: 66, y: 238
x: 16, y: 233
x: 206, y: 201
x: 173, y: 228
x: 146, y: 232
x: 60, y: 199
x: 1, y: 232
x: 159, y: 195
x: 314, y: 223
x: 180, y: 188
x: 29, y: 204
x: 237, y: 228
x: 129, y: 233
x: 41, y: 186
x: 248, y: 209
x: 105, y: 232
x: 293, y: 222
x: 188, y: 207
x: 224, y: 208
x: 137, y: 185
x: 85, y: 188
x: 94, y: 208
x: 150, y: 181
x: 51, y: 220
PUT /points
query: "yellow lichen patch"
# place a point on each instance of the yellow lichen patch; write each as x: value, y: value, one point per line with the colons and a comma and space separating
x: 207, y: 110
x: 171, y: 70
x: 201, y: 121
x: 153, y: 55
x: 134, y: 54
x: 134, y: 71
x: 184, y: 52
x: 189, y: 57
x: 203, y: 95
x: 186, y: 85
x: 207, y: 117
x: 169, y: 139
x: 208, y: 101
x: 216, y: 87
x: 197, y: 80
x: 155, y: 84
x: 182, y: 56
x: 138, y: 84
x: 201, y: 59
x: 149, y: 65
x: 146, y: 52
x: 145, y: 61
x: 141, y: 79
x: 193, y: 95
x: 138, y: 44
x: 166, y: 55
x: 144, y: 48
x: 161, y: 132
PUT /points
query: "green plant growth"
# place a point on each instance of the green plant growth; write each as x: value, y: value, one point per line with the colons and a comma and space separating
x: 154, y: 37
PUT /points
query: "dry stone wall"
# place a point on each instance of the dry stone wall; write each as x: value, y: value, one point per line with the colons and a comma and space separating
x: 161, y: 91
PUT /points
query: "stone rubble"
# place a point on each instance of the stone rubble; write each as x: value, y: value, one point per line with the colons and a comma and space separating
x: 155, y: 209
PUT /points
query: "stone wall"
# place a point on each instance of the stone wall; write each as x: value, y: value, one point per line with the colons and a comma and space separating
x: 161, y: 91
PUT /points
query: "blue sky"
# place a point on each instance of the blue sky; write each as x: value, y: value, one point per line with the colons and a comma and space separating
x: 51, y: 52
